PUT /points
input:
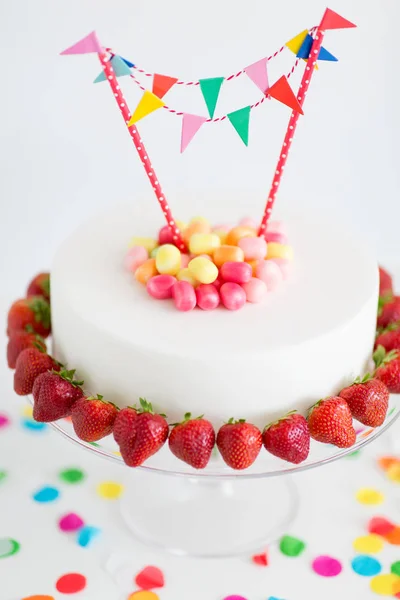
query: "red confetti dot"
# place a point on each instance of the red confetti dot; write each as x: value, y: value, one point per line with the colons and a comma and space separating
x: 71, y: 583
x: 260, y: 559
x: 380, y: 526
x: 150, y: 578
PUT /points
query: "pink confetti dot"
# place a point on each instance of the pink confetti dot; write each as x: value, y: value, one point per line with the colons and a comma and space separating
x: 326, y: 566
x: 235, y: 597
x: 70, y: 522
x: 4, y: 420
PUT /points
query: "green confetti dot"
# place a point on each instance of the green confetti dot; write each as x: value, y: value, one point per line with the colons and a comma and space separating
x: 395, y: 568
x: 353, y: 454
x: 95, y: 444
x: 3, y: 475
x: 72, y: 475
x: 291, y: 546
x: 8, y: 547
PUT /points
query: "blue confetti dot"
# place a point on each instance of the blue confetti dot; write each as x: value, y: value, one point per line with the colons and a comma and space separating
x: 274, y: 598
x: 366, y: 565
x: 32, y: 425
x: 46, y: 494
x: 86, y: 534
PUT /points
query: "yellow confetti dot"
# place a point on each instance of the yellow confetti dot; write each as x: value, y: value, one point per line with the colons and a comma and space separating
x: 27, y: 411
x: 143, y: 595
x: 117, y: 453
x: 393, y: 472
x: 368, y: 544
x: 110, y: 490
x: 369, y: 496
x: 385, y: 585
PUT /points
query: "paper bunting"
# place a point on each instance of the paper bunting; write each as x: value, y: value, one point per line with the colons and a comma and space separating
x: 305, y: 50
x: 210, y: 89
x: 162, y: 84
x: 88, y: 44
x: 190, y: 126
x: 257, y: 72
x: 148, y: 104
x: 119, y: 66
x: 331, y: 20
x: 127, y: 62
x: 282, y: 91
x: 296, y: 43
x: 240, y: 120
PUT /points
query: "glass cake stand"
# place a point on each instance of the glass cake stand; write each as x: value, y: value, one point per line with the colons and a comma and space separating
x: 216, y: 512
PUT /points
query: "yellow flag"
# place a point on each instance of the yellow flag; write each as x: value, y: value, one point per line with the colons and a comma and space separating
x: 296, y: 43
x: 148, y: 104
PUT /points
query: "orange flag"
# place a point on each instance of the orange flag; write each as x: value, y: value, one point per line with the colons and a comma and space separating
x: 282, y: 91
x: 162, y: 83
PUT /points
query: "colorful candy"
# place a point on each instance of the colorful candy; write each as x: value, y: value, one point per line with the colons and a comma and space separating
x: 184, y: 296
x: 153, y: 253
x: 185, y: 275
x: 238, y: 233
x: 237, y: 272
x: 222, y: 234
x: 275, y: 236
x: 269, y: 272
x: 232, y: 295
x: 253, y: 264
x: 284, y: 266
x: 203, y: 269
x: 146, y: 242
x: 135, y: 257
x: 165, y: 236
x: 161, y: 286
x: 195, y: 227
x: 227, y: 253
x: 207, y: 296
x: 204, y: 243
x: 146, y: 271
x: 276, y: 250
x: 168, y: 260
x: 185, y: 260
x: 255, y: 290
x: 277, y: 226
x: 254, y: 248
x: 248, y: 222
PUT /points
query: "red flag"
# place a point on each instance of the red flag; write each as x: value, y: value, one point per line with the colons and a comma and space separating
x: 332, y: 20
x: 162, y: 83
x: 282, y: 91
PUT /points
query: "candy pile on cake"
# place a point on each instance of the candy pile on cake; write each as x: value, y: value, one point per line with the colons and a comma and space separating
x: 223, y: 265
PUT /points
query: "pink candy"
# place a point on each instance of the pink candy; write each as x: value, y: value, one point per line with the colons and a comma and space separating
x: 275, y: 236
x: 236, y: 272
x: 233, y: 296
x: 185, y: 260
x: 165, y: 236
x: 135, y: 257
x: 160, y: 286
x: 184, y: 296
x: 254, y: 248
x: 207, y: 296
x: 255, y: 290
x: 269, y: 272
x: 248, y: 222
x: 70, y: 522
x: 277, y: 227
x: 284, y: 266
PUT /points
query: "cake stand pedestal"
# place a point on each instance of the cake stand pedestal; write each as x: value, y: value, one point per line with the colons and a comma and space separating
x: 216, y: 512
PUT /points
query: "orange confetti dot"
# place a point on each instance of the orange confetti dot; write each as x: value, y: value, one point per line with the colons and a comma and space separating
x: 40, y: 597
x: 387, y: 461
x: 143, y: 595
x: 393, y: 472
x: 393, y: 537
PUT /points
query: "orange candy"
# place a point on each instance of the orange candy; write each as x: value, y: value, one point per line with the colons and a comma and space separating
x: 146, y: 271
x: 195, y: 227
x: 253, y: 264
x: 227, y: 253
x: 238, y: 233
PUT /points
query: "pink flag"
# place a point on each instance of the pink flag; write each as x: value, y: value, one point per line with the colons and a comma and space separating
x: 258, y: 74
x: 190, y: 126
x: 88, y: 44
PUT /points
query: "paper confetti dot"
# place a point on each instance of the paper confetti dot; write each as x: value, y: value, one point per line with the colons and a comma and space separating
x: 291, y: 546
x: 86, y: 535
x: 354, y: 454
x: 110, y: 490
x: 274, y: 598
x: 149, y: 578
x: 46, y: 494
x: 326, y: 566
x: 71, y: 583
x: 380, y: 526
x: 3, y: 476
x: 40, y: 597
x: 368, y: 544
x: 235, y: 598
x: 385, y: 585
x: 366, y: 566
x: 70, y: 522
x: 395, y: 568
x: 72, y: 475
x: 393, y: 537
x: 4, y: 420
x: 32, y: 425
x: 369, y: 496
x: 8, y: 547
x: 143, y: 595
x: 27, y: 411
x: 393, y: 472
x: 386, y: 461
x: 260, y: 559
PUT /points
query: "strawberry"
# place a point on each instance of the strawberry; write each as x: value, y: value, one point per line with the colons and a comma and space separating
x: 123, y: 425
x: 389, y: 338
x: 34, y: 311
x: 239, y: 443
x: 330, y: 422
x: 385, y: 282
x: 30, y: 364
x: 388, y: 368
x: 388, y: 311
x: 288, y: 438
x: 143, y: 437
x: 93, y: 418
x: 40, y: 286
x: 368, y: 400
x: 54, y: 395
x: 20, y: 340
x: 193, y: 441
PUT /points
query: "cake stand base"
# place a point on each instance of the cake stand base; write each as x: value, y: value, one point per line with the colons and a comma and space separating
x: 189, y: 516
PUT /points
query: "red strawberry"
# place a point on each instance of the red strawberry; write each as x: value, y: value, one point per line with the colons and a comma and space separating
x: 288, y: 438
x: 54, y: 395
x: 193, y: 441
x: 388, y: 368
x: 146, y: 435
x: 30, y: 364
x: 123, y: 425
x: 93, y: 418
x: 19, y: 341
x: 40, y: 286
x: 239, y: 443
x: 385, y: 283
x: 330, y: 422
x: 34, y: 311
x: 368, y: 400
x: 388, y: 311
x: 389, y: 338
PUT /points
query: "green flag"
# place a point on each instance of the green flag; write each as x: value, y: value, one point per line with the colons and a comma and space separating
x: 240, y: 120
x: 210, y: 89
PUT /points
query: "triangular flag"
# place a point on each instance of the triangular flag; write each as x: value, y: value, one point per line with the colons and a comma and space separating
x: 240, y: 120
x: 190, y: 126
x: 127, y: 62
x: 282, y: 91
x: 258, y: 74
x: 325, y: 55
x: 331, y: 20
x: 162, y: 83
x: 296, y: 43
x: 305, y: 50
x: 120, y: 69
x: 88, y: 44
x: 210, y: 89
x: 148, y: 104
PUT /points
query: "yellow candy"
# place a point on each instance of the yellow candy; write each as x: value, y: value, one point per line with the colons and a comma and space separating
x: 196, y: 227
x: 168, y: 260
x: 237, y: 233
x: 146, y: 271
x: 204, y: 243
x: 203, y: 269
x: 276, y: 250
x: 227, y: 253
x: 185, y: 275
x: 181, y: 225
x: 148, y: 243
x: 200, y: 220
x: 221, y: 234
